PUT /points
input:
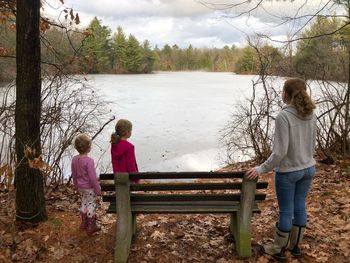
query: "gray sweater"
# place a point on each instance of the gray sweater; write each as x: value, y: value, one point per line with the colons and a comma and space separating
x: 293, y: 144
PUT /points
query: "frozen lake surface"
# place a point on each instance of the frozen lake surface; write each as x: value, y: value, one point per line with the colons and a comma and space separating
x: 176, y: 116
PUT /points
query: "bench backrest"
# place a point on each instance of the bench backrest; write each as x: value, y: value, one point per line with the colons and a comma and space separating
x: 201, y: 192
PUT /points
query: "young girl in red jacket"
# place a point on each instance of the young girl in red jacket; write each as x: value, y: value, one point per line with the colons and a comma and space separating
x: 122, y: 151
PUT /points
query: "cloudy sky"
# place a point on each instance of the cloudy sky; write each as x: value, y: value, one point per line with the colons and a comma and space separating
x: 195, y: 22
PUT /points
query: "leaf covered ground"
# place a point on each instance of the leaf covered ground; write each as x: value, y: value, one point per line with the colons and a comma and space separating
x: 179, y: 238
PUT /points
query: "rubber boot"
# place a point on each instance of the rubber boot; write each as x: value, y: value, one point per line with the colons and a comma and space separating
x: 278, y: 248
x: 84, y: 222
x: 92, y: 226
x: 296, y: 236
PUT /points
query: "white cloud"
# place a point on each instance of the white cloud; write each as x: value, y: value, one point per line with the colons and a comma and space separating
x: 201, y: 31
x: 136, y: 8
x: 185, y: 22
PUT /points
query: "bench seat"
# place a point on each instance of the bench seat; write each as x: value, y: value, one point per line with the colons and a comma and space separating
x: 183, y: 207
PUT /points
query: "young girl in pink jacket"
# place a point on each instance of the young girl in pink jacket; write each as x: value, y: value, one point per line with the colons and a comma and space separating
x: 85, y: 179
x: 122, y: 151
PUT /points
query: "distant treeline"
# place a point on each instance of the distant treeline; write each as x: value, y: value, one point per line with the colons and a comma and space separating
x: 97, y: 50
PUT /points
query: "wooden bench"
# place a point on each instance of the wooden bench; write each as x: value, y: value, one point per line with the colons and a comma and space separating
x: 161, y: 196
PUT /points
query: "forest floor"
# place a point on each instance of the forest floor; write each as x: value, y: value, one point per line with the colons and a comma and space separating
x: 179, y: 238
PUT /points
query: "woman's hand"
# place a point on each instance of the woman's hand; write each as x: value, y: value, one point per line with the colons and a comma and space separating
x: 252, y: 174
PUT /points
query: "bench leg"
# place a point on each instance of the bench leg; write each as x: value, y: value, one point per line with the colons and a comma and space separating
x: 240, y: 221
x: 134, y: 228
x: 242, y: 235
x: 233, y: 224
x: 125, y: 220
x: 123, y: 238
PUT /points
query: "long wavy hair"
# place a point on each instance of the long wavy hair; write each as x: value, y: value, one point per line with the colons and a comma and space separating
x: 121, y: 130
x: 295, y: 88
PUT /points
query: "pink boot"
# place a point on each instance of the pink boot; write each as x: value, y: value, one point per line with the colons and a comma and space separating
x: 92, y: 227
x: 84, y: 222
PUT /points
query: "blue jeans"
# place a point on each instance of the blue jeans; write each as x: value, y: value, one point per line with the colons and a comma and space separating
x: 291, y: 190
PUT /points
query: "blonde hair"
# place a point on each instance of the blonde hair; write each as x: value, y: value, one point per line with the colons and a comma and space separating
x: 82, y: 143
x: 121, y: 130
x: 296, y: 91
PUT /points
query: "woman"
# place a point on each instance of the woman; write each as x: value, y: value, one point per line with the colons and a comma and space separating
x: 292, y: 158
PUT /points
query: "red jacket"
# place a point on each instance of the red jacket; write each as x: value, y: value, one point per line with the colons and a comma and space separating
x: 123, y: 157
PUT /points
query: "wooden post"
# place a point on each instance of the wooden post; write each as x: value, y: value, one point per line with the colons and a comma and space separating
x: 233, y: 224
x: 240, y: 222
x: 134, y: 228
x: 125, y: 221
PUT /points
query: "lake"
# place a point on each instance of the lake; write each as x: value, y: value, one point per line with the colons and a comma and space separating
x: 176, y: 116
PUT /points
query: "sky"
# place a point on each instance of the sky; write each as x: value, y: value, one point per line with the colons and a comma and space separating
x: 200, y: 23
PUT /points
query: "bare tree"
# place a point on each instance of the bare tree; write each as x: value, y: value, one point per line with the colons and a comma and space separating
x: 332, y: 124
x: 69, y: 106
x: 334, y: 101
x: 251, y: 129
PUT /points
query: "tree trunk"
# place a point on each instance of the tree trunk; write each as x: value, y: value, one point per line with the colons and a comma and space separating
x: 346, y: 140
x: 30, y: 201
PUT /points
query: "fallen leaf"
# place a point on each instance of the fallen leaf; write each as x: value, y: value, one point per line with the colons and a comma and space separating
x: 262, y: 259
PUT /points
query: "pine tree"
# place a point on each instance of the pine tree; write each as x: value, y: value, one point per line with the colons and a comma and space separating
x: 148, y: 57
x: 133, y: 61
x: 97, y: 48
x: 321, y: 57
x: 246, y: 63
x: 119, y: 48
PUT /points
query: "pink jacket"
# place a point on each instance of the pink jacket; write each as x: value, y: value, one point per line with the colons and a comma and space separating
x: 84, y: 173
x: 123, y: 157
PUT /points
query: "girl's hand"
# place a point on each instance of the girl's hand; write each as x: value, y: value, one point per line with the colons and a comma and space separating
x: 252, y: 174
